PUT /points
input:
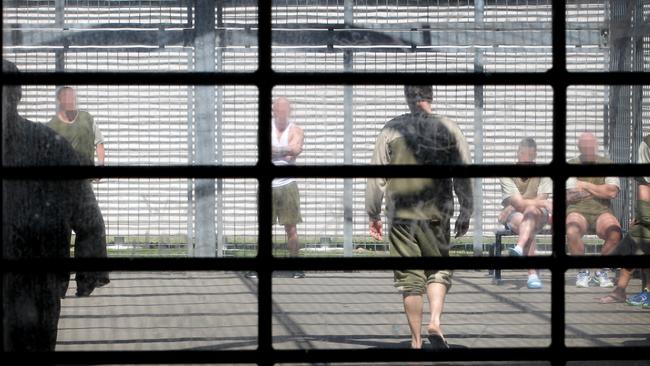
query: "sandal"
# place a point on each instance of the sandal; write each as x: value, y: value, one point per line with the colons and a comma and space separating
x: 437, y: 342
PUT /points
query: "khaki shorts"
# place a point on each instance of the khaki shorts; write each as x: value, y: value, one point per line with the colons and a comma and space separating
x: 636, y: 242
x: 591, y: 220
x: 286, y: 205
x: 419, y: 238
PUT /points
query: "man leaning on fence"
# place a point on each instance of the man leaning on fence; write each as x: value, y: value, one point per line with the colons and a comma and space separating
x: 526, y: 207
x: 419, y: 210
x: 589, y: 211
x: 37, y: 218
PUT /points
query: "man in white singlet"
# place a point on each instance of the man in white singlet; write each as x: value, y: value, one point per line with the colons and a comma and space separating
x: 287, y: 140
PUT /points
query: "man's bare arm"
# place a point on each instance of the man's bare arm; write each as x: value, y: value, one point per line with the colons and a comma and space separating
x: 607, y: 191
x: 574, y: 195
x: 520, y: 203
x: 295, y: 145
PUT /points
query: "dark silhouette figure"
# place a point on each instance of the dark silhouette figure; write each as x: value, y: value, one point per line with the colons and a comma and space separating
x: 38, y: 217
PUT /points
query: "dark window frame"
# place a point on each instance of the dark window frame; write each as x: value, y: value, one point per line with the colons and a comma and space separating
x: 265, y: 79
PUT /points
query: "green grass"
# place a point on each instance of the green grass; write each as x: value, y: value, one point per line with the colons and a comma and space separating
x: 246, y: 246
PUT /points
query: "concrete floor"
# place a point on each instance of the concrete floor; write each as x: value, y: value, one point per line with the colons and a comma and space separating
x: 332, y: 310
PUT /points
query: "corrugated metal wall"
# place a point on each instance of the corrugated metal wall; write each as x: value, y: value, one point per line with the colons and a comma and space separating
x: 153, y: 125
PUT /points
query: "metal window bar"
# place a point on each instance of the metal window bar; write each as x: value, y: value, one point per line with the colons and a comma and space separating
x: 265, y: 79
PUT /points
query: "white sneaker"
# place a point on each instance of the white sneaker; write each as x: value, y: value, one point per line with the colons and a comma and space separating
x: 602, y: 279
x: 582, y: 279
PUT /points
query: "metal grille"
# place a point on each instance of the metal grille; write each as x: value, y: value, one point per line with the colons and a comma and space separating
x: 161, y: 205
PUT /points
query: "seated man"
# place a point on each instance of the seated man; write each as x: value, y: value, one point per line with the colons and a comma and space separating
x: 526, y: 207
x: 637, y: 241
x: 589, y: 211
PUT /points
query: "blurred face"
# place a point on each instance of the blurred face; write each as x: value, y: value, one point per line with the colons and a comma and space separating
x: 68, y: 103
x: 281, y: 113
x: 526, y: 155
x: 588, y: 146
x: 68, y: 100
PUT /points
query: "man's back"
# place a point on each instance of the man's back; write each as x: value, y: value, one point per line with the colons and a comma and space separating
x: 37, y: 219
x: 422, y: 139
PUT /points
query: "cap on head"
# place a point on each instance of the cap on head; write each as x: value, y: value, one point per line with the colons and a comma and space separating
x: 11, y: 93
x: 417, y: 93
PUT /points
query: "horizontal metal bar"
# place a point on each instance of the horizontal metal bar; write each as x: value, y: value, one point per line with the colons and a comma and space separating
x: 555, y: 78
x: 334, y: 355
x: 41, y: 265
x: 350, y: 37
x: 554, y: 170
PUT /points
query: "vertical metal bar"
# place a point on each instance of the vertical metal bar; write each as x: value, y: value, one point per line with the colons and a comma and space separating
x: 558, y: 73
x: 219, y: 134
x: 191, y: 103
x: 59, y: 20
x: 204, y: 45
x: 347, y: 139
x: 264, y: 254
x: 637, y: 90
x: 478, y: 136
x: 619, y: 102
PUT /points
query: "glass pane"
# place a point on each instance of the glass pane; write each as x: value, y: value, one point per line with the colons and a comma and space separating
x: 138, y: 311
x: 394, y: 36
x: 152, y: 124
x: 606, y: 35
x: 605, y: 124
x: 141, y: 217
x: 143, y: 36
x: 359, y: 310
x: 340, y: 124
x: 203, y: 217
x: 615, y: 114
x: 600, y: 317
x: 330, y: 218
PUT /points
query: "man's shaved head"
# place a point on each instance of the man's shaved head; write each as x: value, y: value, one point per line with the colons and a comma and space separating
x: 588, y: 147
x: 281, y: 112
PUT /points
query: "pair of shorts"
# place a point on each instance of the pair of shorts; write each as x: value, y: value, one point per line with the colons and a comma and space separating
x: 545, y: 215
x: 636, y: 242
x: 419, y: 238
x: 286, y: 205
x: 591, y: 219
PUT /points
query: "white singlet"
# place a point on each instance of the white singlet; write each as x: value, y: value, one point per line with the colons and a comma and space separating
x: 281, y: 141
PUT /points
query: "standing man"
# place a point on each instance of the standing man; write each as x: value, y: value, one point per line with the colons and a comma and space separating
x: 589, y: 211
x: 287, y: 140
x: 526, y: 207
x: 636, y: 242
x: 419, y: 210
x: 37, y: 219
x: 78, y: 127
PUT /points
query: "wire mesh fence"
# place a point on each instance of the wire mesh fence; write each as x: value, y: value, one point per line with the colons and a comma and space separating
x: 166, y: 125
x: 157, y: 125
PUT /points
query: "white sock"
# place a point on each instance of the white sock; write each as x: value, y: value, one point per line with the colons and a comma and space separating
x: 518, y: 250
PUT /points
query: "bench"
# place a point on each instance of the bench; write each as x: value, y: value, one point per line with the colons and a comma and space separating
x: 497, y: 247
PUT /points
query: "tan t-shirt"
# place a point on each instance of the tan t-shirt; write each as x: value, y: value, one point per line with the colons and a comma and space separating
x: 511, y: 186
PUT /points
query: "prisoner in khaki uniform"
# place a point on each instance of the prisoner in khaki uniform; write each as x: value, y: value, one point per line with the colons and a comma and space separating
x: 526, y: 207
x: 636, y: 242
x: 589, y: 211
x: 418, y: 210
x: 78, y: 127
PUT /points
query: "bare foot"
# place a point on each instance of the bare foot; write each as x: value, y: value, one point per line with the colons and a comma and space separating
x: 611, y: 299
